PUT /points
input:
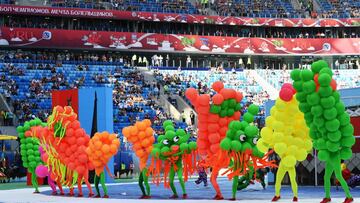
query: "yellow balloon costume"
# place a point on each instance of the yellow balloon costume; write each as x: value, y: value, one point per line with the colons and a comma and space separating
x: 286, y: 132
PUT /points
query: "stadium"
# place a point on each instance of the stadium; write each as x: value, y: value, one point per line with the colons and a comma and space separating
x: 195, y: 100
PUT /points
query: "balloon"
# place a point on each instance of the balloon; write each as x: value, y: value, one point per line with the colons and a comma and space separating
x: 225, y: 144
x: 191, y: 94
x: 239, y: 96
x: 333, y: 84
x: 286, y: 94
x: 306, y: 75
x: 318, y: 65
x: 217, y: 99
x: 324, y: 80
x: 289, y: 161
x: 41, y: 171
x: 323, y: 155
x: 214, y: 138
x: 204, y: 99
x: 217, y: 86
x: 280, y: 148
x: 295, y: 74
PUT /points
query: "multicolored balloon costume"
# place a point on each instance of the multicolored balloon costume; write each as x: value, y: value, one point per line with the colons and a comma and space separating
x: 174, y: 154
x: 324, y: 113
x: 286, y: 132
x: 68, y: 155
x: 215, y: 124
x: 141, y: 136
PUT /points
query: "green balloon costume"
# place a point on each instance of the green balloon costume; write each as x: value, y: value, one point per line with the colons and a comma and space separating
x: 330, y: 127
x: 175, y: 155
x: 240, y: 144
x: 29, y: 149
x: 245, y: 180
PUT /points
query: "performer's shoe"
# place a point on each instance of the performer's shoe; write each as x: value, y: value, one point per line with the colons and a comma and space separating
x: 70, y: 194
x: 232, y: 199
x: 174, y: 197
x: 97, y: 196
x: 36, y: 192
x: 54, y: 193
x: 218, y: 197
x: 91, y: 194
x: 146, y: 197
x: 275, y: 198
x: 62, y: 193
x: 348, y: 200
x: 184, y: 196
x: 295, y: 199
x: 106, y: 196
x: 80, y: 195
x: 326, y: 200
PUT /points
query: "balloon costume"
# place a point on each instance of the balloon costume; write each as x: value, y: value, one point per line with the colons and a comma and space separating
x: 222, y: 138
x: 141, y: 136
x: 69, y: 151
x: 286, y: 132
x: 329, y: 124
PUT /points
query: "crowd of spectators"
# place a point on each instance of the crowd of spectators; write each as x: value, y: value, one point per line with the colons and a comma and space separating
x: 176, y: 28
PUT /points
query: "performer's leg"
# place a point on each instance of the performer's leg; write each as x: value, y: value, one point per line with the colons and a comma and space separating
x: 171, y: 179
x: 292, y: 175
x: 213, y: 177
x: 234, y: 186
x: 181, y: 180
x: 329, y: 169
x: 96, y: 184
x: 146, y: 181
x: 279, y: 177
x: 102, y: 181
x: 338, y: 174
x: 34, y: 181
x: 141, y: 180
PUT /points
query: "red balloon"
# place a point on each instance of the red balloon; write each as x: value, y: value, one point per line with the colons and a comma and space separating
x: 191, y: 94
x: 69, y: 132
x: 237, y: 115
x: 222, y: 131
x: 218, y: 99
x: 202, y: 118
x: 202, y: 144
x: 214, y: 138
x: 223, y: 122
x: 333, y: 84
x: 217, y: 86
x: 239, y: 96
x: 212, y: 128
x: 316, y: 78
x: 214, y: 148
x: 83, y: 158
x: 213, y: 118
x: 204, y: 100
x: 286, y: 94
x: 228, y: 93
x: 204, y: 109
x: 202, y: 126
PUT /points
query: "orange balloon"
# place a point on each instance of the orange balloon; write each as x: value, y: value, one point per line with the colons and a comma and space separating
x: 147, y: 122
x: 134, y: 131
x: 116, y: 142
x: 145, y: 143
x: 98, y: 144
x: 149, y: 149
x: 105, y: 148
x: 152, y: 139
x: 141, y: 126
x: 149, y: 132
x: 141, y: 135
x: 137, y: 146
x: 126, y: 132
x: 113, y: 149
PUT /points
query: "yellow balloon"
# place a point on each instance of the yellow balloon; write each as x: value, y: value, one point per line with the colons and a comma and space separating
x: 262, y: 146
x: 301, y: 155
x: 291, y: 150
x: 278, y: 126
x: 308, y: 145
x: 280, y: 148
x: 269, y: 121
x: 289, y: 161
x: 280, y: 104
x: 278, y: 137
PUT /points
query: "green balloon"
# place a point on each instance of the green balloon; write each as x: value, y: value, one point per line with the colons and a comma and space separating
x: 330, y: 114
x: 332, y: 125
x: 230, y: 112
x: 298, y: 86
x: 160, y: 138
x: 301, y: 96
x: 38, y: 159
x: 251, y: 131
x: 336, y: 96
x: 230, y: 134
x: 347, y: 141
x: 345, y: 153
x: 164, y: 150
x: 26, y: 126
x: 321, y: 144
x: 238, y: 107
x: 347, y: 130
x: 332, y: 146
x: 32, y: 164
x: 236, y: 125
x: 29, y: 146
x: 20, y: 129
x: 223, y: 113
x: 295, y: 74
x: 180, y: 132
x: 248, y: 117
x: 324, y: 80
x: 313, y: 99
x: 306, y: 75
x: 244, y: 124
x: 31, y: 158
x: 326, y: 71
x: 184, y: 147
x: 309, y: 86
x: 170, y: 134
x: 313, y: 132
x: 169, y: 128
x: 225, y: 104
x: 340, y: 107
x: 26, y: 165
x: 325, y: 91
x: 155, y: 152
x: 344, y: 119
x: 334, y: 136
x: 318, y: 65
x: 304, y: 107
x: 327, y: 102
x: 215, y: 109
x: 235, y: 145
x: 317, y: 110
x: 192, y: 145
x: 308, y: 117
x: 232, y: 103
x: 238, y: 134
x: 323, y: 155
x: 253, y: 109
x: 245, y: 146
x: 166, y: 123
x: 225, y: 144
x: 32, y: 123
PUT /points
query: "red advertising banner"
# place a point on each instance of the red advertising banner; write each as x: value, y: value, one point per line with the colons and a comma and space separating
x: 355, y: 121
x: 66, y: 98
x: 173, y: 17
x: 47, y: 38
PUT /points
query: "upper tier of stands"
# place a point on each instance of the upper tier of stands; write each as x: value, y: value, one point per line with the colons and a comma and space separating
x: 245, y: 8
